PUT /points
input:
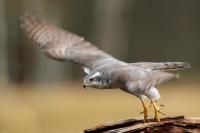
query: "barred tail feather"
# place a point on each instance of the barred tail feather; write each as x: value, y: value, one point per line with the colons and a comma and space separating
x: 162, y: 66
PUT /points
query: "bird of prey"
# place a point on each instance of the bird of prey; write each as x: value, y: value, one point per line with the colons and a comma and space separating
x: 103, y: 70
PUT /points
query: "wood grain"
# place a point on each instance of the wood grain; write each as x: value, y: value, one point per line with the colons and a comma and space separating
x: 172, y: 124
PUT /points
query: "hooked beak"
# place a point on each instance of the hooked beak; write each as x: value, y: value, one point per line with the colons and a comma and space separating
x: 84, y: 86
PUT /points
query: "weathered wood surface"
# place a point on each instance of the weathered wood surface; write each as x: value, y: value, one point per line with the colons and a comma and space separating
x: 174, y: 124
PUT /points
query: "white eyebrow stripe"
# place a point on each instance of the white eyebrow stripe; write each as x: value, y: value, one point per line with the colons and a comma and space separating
x: 96, y: 74
x: 86, y: 70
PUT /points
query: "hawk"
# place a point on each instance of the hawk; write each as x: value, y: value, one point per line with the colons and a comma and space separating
x: 103, y: 70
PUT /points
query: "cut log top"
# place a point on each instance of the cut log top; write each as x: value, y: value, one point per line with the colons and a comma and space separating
x: 174, y: 124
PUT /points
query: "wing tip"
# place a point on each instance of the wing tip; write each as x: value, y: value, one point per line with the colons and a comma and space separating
x: 187, y: 65
x: 29, y: 20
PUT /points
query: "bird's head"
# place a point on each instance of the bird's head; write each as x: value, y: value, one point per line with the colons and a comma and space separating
x: 94, y: 79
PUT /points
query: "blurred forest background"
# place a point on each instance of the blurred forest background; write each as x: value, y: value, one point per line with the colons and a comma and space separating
x: 49, y: 98
x: 130, y: 30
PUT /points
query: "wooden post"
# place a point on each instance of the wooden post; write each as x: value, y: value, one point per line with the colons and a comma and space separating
x: 174, y: 124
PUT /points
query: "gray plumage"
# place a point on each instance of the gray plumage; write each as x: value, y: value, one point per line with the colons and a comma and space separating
x: 162, y: 66
x: 104, y: 71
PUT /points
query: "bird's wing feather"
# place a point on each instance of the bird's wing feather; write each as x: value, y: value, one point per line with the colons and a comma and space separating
x: 63, y: 45
x: 140, y: 77
x: 162, y: 66
x: 151, y: 80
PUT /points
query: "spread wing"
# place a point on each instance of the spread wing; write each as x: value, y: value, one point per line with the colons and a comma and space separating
x: 62, y: 45
x: 162, y: 66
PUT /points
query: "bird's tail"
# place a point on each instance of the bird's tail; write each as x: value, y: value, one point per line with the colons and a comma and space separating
x: 162, y: 66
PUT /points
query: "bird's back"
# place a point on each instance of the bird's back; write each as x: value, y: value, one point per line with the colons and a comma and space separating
x: 127, y: 74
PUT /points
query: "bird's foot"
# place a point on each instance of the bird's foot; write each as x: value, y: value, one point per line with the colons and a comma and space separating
x: 157, y: 109
x: 145, y: 111
x: 146, y: 114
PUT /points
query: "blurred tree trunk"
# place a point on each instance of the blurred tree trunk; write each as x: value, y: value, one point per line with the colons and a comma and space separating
x: 3, y: 36
x: 112, y: 26
x: 15, y: 47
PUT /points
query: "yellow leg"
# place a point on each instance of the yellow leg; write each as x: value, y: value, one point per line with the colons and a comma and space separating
x: 157, y: 110
x: 145, y: 111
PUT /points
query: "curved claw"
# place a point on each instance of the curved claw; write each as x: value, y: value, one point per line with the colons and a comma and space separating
x: 146, y: 108
x: 157, y: 110
x: 145, y: 112
x: 162, y: 105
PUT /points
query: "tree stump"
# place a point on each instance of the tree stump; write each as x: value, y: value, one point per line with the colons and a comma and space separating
x: 174, y: 124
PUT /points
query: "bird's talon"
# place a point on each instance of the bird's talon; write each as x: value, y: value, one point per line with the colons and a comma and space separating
x: 145, y: 112
x: 162, y: 106
x: 142, y: 112
x: 157, y: 110
x: 161, y: 112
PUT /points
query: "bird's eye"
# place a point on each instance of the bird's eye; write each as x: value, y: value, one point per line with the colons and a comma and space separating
x: 91, y: 79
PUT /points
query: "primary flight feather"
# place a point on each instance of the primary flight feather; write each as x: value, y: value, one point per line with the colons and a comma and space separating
x: 103, y: 70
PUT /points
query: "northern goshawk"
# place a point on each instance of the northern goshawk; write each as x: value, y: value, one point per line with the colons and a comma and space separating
x: 103, y: 70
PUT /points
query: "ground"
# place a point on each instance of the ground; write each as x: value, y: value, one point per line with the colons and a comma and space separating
x: 62, y: 108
